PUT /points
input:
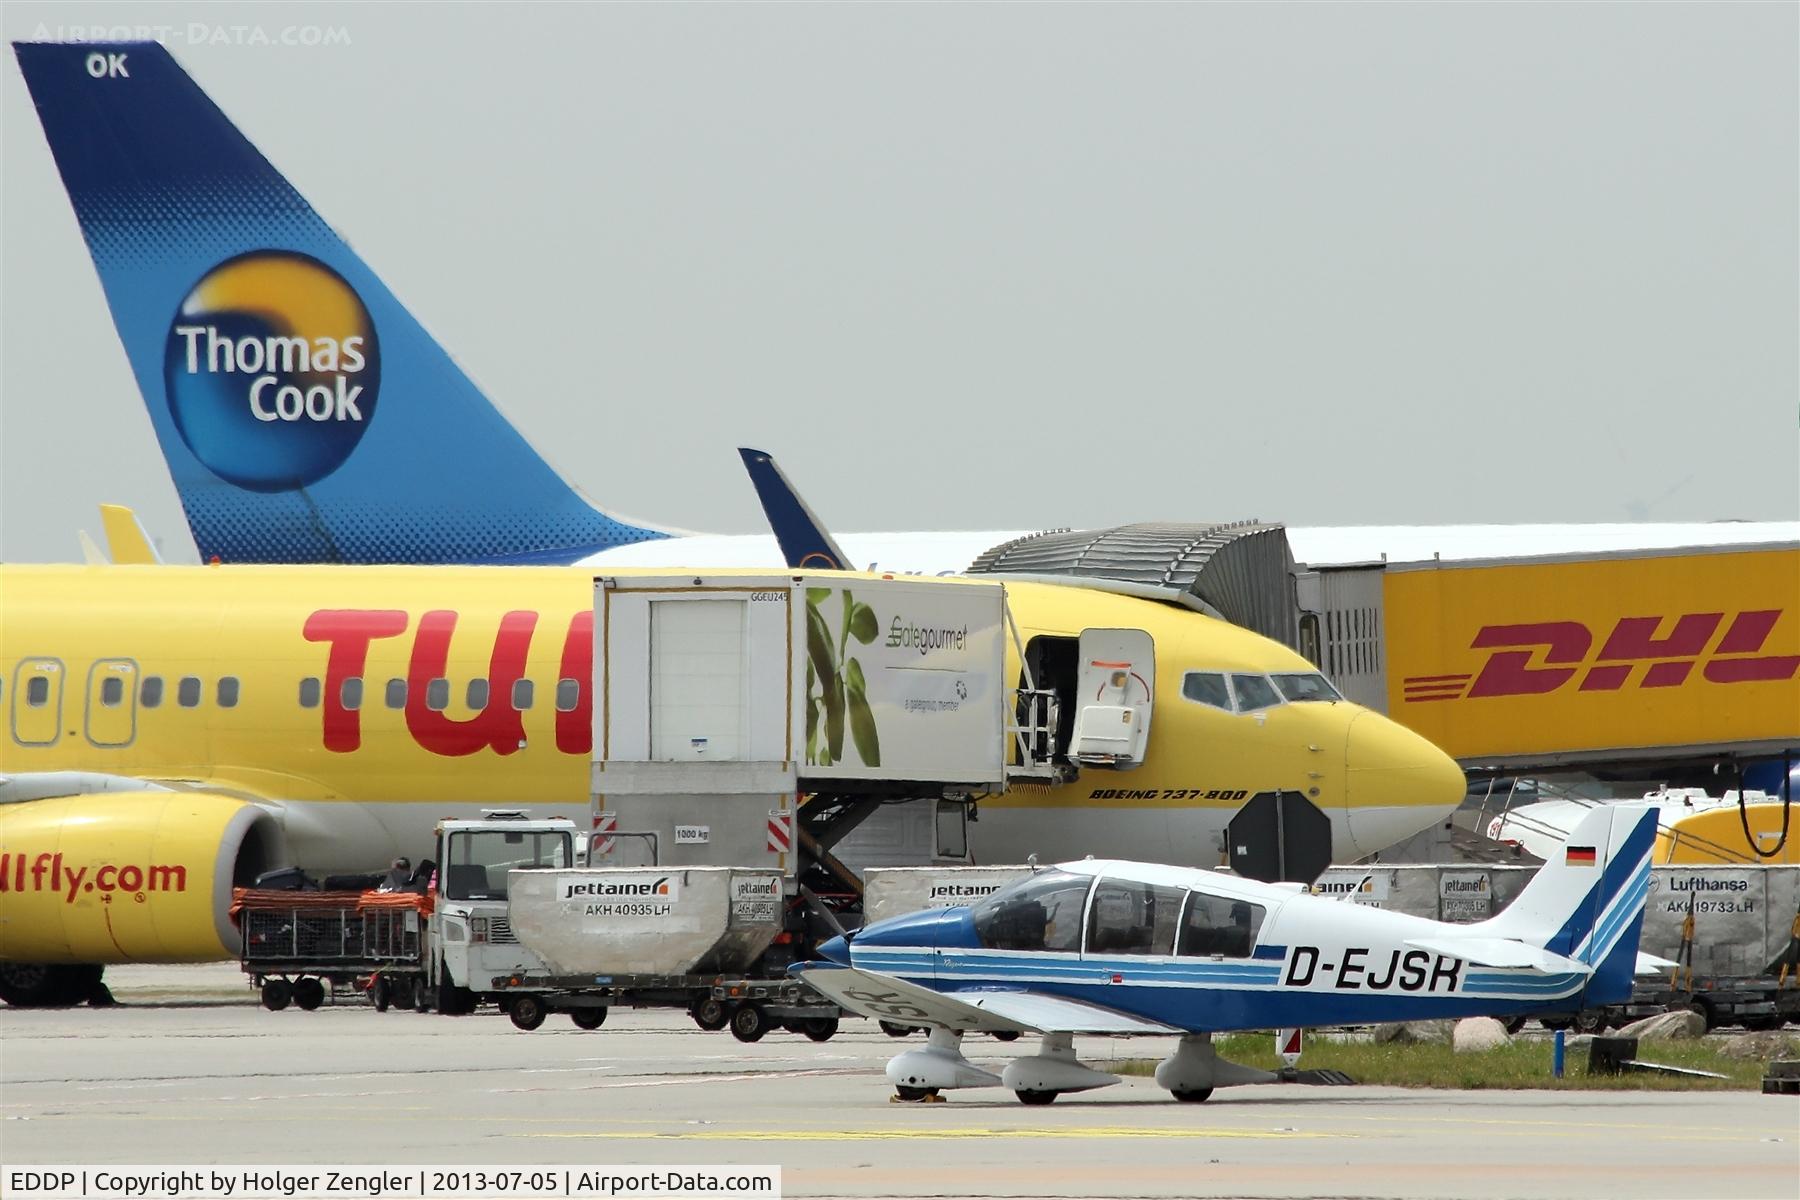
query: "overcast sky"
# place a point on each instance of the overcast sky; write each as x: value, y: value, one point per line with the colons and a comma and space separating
x: 1012, y: 266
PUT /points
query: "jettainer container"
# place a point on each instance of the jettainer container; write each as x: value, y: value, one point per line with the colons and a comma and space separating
x: 646, y: 921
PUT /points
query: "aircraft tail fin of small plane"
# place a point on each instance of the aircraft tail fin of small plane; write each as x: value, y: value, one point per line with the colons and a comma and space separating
x: 804, y: 540
x: 1587, y: 901
x: 305, y: 415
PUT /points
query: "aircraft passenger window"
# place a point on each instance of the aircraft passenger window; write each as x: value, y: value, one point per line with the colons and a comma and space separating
x: 187, y: 692
x: 477, y: 695
x: 309, y: 693
x: 1300, y: 688
x: 568, y: 694
x: 396, y: 693
x: 228, y: 691
x: 112, y: 690
x: 350, y: 694
x: 437, y: 695
x: 1254, y: 692
x: 1040, y: 913
x: 1207, y: 688
x: 1127, y: 917
x: 37, y: 691
x: 1219, y: 925
x: 150, y: 691
x: 521, y: 696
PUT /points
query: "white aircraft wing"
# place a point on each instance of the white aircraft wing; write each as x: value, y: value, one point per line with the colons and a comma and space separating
x: 1500, y: 952
x: 889, y: 999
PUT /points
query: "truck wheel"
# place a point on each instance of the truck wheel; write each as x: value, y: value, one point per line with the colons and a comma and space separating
x: 748, y: 1023
x: 1513, y: 1024
x: 421, y: 995
x: 820, y: 1029
x: 275, y: 994
x: 527, y: 1012
x: 309, y: 993
x: 452, y: 1000
x: 380, y: 995
x: 710, y: 1014
x: 1555, y: 1024
x: 1590, y: 1020
x: 588, y: 1018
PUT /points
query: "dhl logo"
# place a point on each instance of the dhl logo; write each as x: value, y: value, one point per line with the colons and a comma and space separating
x: 1535, y: 659
x: 499, y: 726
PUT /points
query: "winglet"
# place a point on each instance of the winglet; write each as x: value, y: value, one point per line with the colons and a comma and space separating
x: 805, y: 542
x: 125, y: 535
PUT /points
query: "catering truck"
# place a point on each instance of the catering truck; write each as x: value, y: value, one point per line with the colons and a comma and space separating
x: 720, y: 703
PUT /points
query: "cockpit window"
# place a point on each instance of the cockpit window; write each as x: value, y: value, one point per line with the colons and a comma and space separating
x: 1254, y: 692
x: 1219, y: 925
x: 1207, y: 687
x: 1040, y: 913
x: 1127, y: 917
x: 1298, y: 688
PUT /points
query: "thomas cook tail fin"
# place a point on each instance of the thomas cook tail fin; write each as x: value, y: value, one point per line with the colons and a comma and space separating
x: 304, y: 414
x: 1587, y: 901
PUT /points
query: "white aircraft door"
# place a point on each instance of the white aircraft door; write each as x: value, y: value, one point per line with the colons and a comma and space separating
x: 1115, y: 688
x: 37, y: 701
x: 697, y: 680
x: 112, y: 702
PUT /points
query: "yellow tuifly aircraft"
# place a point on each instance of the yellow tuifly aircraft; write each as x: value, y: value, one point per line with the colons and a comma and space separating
x: 171, y: 732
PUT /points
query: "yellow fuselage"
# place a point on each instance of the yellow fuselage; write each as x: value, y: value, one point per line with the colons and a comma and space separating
x: 228, y: 683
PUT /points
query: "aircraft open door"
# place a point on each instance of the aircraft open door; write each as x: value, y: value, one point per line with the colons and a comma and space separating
x: 1115, y: 687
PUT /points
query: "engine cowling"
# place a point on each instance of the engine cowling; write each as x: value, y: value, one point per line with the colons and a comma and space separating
x: 128, y: 876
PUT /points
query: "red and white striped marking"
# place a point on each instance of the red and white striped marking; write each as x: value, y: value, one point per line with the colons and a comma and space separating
x: 781, y: 831
x: 1287, y: 1045
x: 602, y: 842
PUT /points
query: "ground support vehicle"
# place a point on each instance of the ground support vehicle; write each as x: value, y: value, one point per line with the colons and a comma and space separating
x: 300, y: 946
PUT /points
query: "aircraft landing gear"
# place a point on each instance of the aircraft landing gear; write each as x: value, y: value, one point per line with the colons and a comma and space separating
x: 1051, y: 1071
x: 917, y: 1095
x: 41, y: 985
x: 938, y: 1066
x: 1195, y: 1069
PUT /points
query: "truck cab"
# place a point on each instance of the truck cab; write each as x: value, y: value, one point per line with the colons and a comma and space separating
x: 470, y: 930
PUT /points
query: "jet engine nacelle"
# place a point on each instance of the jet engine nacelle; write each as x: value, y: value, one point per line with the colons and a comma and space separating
x: 140, y: 876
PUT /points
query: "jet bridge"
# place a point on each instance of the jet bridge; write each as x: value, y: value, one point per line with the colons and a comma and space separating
x: 1241, y: 571
x: 753, y: 720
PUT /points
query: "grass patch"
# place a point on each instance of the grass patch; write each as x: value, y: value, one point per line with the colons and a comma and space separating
x: 1522, y: 1064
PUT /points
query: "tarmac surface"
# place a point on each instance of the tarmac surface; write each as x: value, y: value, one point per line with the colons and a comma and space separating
x: 188, y: 1071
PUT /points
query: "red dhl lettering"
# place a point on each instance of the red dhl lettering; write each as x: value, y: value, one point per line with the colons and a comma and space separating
x: 498, y: 726
x: 23, y: 871
x: 1535, y: 659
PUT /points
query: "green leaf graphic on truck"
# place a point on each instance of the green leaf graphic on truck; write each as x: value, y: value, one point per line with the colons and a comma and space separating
x: 836, y: 692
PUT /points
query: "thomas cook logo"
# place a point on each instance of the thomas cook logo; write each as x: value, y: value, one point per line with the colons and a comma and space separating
x: 272, y: 370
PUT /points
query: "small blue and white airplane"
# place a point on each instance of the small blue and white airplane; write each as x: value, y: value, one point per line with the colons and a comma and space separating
x: 1124, y: 949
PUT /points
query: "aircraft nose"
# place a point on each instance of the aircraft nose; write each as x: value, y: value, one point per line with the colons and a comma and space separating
x: 1396, y: 783
x: 837, y: 950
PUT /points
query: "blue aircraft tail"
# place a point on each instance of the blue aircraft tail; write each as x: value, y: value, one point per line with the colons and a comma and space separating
x: 804, y: 540
x: 305, y: 415
x: 1587, y: 901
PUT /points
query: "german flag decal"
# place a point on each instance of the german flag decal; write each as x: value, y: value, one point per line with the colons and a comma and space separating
x: 1579, y: 856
